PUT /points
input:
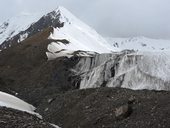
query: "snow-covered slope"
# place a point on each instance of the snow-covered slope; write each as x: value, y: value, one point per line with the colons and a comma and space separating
x: 79, y: 36
x: 15, y: 25
x: 140, y: 44
x: 10, y: 101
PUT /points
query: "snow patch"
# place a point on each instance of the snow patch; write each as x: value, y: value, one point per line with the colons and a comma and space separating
x: 23, y: 37
x: 56, y: 50
x: 55, y: 126
x: 7, y: 100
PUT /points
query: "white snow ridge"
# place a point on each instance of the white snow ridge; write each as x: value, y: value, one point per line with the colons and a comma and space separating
x: 79, y: 35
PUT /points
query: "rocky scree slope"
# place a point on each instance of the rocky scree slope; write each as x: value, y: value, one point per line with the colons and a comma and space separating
x: 11, y: 118
x: 108, y: 108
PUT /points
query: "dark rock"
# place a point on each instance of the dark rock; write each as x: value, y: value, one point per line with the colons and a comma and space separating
x: 131, y: 100
x: 123, y: 111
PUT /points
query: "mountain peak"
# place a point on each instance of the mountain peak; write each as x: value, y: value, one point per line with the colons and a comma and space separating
x: 61, y: 9
x: 66, y: 27
x: 64, y: 15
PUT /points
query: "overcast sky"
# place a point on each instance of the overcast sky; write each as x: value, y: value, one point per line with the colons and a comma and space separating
x: 116, y: 18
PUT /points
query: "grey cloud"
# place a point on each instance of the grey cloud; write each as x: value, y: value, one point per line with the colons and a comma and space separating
x: 116, y: 18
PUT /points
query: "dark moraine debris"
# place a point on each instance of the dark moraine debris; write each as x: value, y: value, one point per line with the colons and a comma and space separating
x: 95, y: 108
x: 10, y: 118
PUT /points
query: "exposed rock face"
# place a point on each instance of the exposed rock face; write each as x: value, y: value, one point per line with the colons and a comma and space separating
x: 127, y: 69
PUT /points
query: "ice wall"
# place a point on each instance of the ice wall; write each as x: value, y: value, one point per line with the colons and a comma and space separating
x: 126, y: 69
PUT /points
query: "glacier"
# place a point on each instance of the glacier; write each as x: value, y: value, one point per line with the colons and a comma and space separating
x: 128, y: 69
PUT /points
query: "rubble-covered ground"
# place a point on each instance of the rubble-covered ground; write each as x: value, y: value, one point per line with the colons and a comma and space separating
x: 108, y: 108
x: 10, y: 118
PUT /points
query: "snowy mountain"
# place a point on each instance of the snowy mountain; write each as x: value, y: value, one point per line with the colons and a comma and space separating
x: 60, y: 34
x: 140, y: 44
x: 15, y: 25
x: 19, y: 28
x: 50, y: 60
x: 66, y: 26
